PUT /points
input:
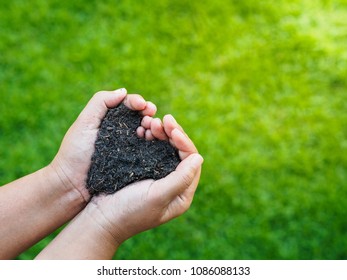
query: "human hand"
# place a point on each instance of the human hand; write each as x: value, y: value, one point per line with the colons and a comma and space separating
x: 73, y: 159
x: 147, y: 204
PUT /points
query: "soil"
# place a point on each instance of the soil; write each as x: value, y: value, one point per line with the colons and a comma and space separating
x: 121, y: 157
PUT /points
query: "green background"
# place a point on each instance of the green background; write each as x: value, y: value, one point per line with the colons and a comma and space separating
x: 260, y: 86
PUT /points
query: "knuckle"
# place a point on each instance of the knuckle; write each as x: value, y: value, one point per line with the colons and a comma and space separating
x: 188, y: 177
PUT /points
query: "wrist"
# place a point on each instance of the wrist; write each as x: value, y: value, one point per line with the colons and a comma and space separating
x: 64, y: 178
x: 83, y: 238
x: 59, y: 183
x: 109, y: 228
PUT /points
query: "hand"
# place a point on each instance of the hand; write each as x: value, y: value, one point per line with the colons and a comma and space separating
x: 147, y: 204
x: 73, y: 159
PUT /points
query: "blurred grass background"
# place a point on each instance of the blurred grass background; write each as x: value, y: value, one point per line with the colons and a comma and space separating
x: 260, y: 86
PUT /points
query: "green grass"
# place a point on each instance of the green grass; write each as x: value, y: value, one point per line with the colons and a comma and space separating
x: 260, y: 86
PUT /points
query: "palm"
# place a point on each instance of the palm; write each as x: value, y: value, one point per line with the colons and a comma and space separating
x: 137, y: 207
x: 74, y: 157
x: 147, y: 204
x: 75, y: 154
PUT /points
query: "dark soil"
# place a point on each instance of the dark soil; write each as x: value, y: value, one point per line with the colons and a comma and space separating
x: 121, y: 157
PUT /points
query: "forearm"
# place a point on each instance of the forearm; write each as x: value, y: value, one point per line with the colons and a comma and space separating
x: 83, y: 238
x: 33, y: 207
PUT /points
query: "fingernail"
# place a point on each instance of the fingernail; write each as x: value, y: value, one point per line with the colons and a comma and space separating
x: 120, y: 90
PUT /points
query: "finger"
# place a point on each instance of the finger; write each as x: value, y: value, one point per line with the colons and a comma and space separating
x: 135, y: 102
x: 148, y: 135
x: 183, y: 143
x: 149, y: 110
x: 170, y: 124
x: 146, y: 122
x: 112, y: 98
x: 141, y: 132
x: 99, y: 104
x: 177, y: 137
x: 184, y: 177
x: 157, y: 129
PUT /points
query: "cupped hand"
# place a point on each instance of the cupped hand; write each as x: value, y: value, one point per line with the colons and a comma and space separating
x: 73, y: 159
x: 147, y: 204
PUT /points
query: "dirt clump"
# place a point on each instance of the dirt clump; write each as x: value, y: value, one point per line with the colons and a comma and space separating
x: 121, y: 157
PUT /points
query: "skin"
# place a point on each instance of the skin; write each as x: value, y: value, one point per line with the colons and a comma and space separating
x: 37, y: 204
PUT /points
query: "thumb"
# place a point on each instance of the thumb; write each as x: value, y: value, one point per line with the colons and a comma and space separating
x: 186, y: 176
x: 98, y: 105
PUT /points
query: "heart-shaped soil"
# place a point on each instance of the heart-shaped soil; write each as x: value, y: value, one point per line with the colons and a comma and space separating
x: 121, y: 157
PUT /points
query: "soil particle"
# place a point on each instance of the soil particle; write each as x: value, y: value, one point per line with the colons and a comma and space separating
x: 121, y: 157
